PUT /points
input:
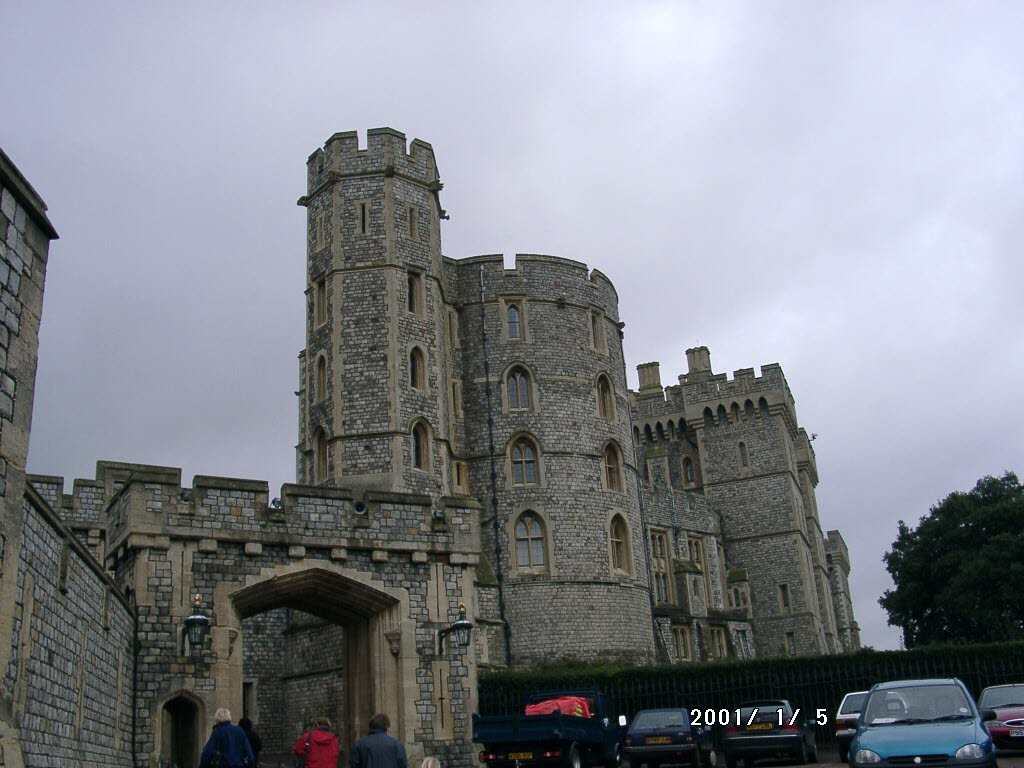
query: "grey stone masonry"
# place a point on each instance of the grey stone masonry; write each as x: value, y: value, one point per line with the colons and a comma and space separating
x: 25, y: 235
x: 69, y: 673
x: 737, y: 442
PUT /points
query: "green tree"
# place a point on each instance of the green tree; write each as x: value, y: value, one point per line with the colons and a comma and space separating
x: 959, y: 573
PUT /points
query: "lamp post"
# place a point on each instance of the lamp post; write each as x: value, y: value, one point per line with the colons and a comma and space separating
x: 196, y: 627
x: 461, y: 629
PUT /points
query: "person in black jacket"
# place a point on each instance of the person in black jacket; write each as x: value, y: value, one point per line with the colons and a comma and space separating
x: 378, y: 750
x: 229, y: 741
x: 254, y: 739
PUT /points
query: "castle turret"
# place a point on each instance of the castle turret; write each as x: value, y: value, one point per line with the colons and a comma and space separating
x: 569, y: 543
x: 758, y: 469
x: 374, y: 388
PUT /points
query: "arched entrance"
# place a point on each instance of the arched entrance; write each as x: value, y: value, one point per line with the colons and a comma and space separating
x: 299, y: 635
x: 181, y: 731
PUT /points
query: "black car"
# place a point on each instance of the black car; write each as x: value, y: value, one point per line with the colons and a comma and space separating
x: 766, y: 729
x: 658, y: 736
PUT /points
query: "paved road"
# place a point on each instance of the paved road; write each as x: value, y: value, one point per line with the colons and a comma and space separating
x: 829, y: 759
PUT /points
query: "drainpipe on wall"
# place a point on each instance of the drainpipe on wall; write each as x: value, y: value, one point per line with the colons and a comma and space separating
x: 135, y: 676
x: 494, y: 481
x: 660, y: 653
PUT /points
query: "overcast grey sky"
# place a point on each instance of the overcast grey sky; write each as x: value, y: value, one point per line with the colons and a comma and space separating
x: 836, y: 187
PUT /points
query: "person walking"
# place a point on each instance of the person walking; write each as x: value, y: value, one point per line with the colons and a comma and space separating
x: 377, y: 749
x: 254, y: 739
x: 318, y: 746
x: 228, y: 743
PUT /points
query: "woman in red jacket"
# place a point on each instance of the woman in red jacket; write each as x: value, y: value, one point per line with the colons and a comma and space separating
x: 319, y: 746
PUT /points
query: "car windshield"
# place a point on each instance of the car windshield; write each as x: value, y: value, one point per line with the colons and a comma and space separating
x: 675, y: 718
x: 917, y: 704
x: 1003, y: 696
x: 853, y: 704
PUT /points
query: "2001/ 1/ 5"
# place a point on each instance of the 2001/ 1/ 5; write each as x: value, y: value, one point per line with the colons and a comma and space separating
x: 711, y: 717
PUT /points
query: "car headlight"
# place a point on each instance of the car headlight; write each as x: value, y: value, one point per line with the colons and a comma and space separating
x: 868, y: 756
x: 970, y: 752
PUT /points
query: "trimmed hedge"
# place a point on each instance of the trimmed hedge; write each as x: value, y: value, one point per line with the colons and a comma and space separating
x: 809, y: 682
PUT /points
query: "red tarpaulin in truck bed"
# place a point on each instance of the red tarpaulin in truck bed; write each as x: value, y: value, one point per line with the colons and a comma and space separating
x: 567, y: 705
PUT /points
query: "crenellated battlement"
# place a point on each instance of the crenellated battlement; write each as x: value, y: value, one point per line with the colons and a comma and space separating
x: 744, y: 383
x: 539, y: 277
x: 140, y: 506
x: 385, y: 152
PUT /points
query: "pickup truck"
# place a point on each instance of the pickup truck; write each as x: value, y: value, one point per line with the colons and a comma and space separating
x: 589, y: 737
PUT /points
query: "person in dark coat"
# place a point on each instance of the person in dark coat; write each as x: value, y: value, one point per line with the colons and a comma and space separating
x: 254, y: 738
x: 319, y: 746
x: 378, y: 750
x: 230, y: 741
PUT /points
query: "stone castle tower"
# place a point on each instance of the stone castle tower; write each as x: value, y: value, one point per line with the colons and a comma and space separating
x: 735, y: 445
x: 409, y: 356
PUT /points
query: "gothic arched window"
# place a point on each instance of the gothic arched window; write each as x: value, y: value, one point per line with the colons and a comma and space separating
x: 524, y: 462
x: 515, y: 328
x: 420, y: 447
x: 605, y: 401
x: 518, y: 387
x: 320, y: 389
x: 612, y: 467
x: 529, y: 541
x: 319, y: 456
x: 619, y: 537
x: 417, y: 369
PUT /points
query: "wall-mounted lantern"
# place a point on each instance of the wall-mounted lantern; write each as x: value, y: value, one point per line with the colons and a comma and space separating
x: 196, y: 627
x: 461, y: 629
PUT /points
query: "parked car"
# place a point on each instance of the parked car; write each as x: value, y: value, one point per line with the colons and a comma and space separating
x: 1007, y: 728
x: 846, y: 721
x: 921, y: 723
x: 659, y: 736
x: 769, y: 728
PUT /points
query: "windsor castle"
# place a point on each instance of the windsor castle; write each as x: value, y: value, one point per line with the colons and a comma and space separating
x: 466, y: 437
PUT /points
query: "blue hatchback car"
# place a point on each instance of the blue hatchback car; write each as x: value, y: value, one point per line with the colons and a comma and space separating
x: 927, y: 723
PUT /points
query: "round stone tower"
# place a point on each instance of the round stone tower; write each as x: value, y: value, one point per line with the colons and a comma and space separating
x: 568, y: 545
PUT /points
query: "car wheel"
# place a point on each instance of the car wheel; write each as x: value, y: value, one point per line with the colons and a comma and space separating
x: 801, y: 756
x: 616, y: 759
x: 575, y: 759
x: 730, y: 761
x: 843, y: 754
x: 711, y: 758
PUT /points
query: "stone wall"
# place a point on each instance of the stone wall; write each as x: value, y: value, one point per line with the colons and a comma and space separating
x: 70, y: 670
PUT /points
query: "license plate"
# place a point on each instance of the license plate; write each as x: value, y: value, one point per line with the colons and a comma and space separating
x: 520, y: 755
x: 759, y: 727
x: 658, y: 740
x: 1017, y: 732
